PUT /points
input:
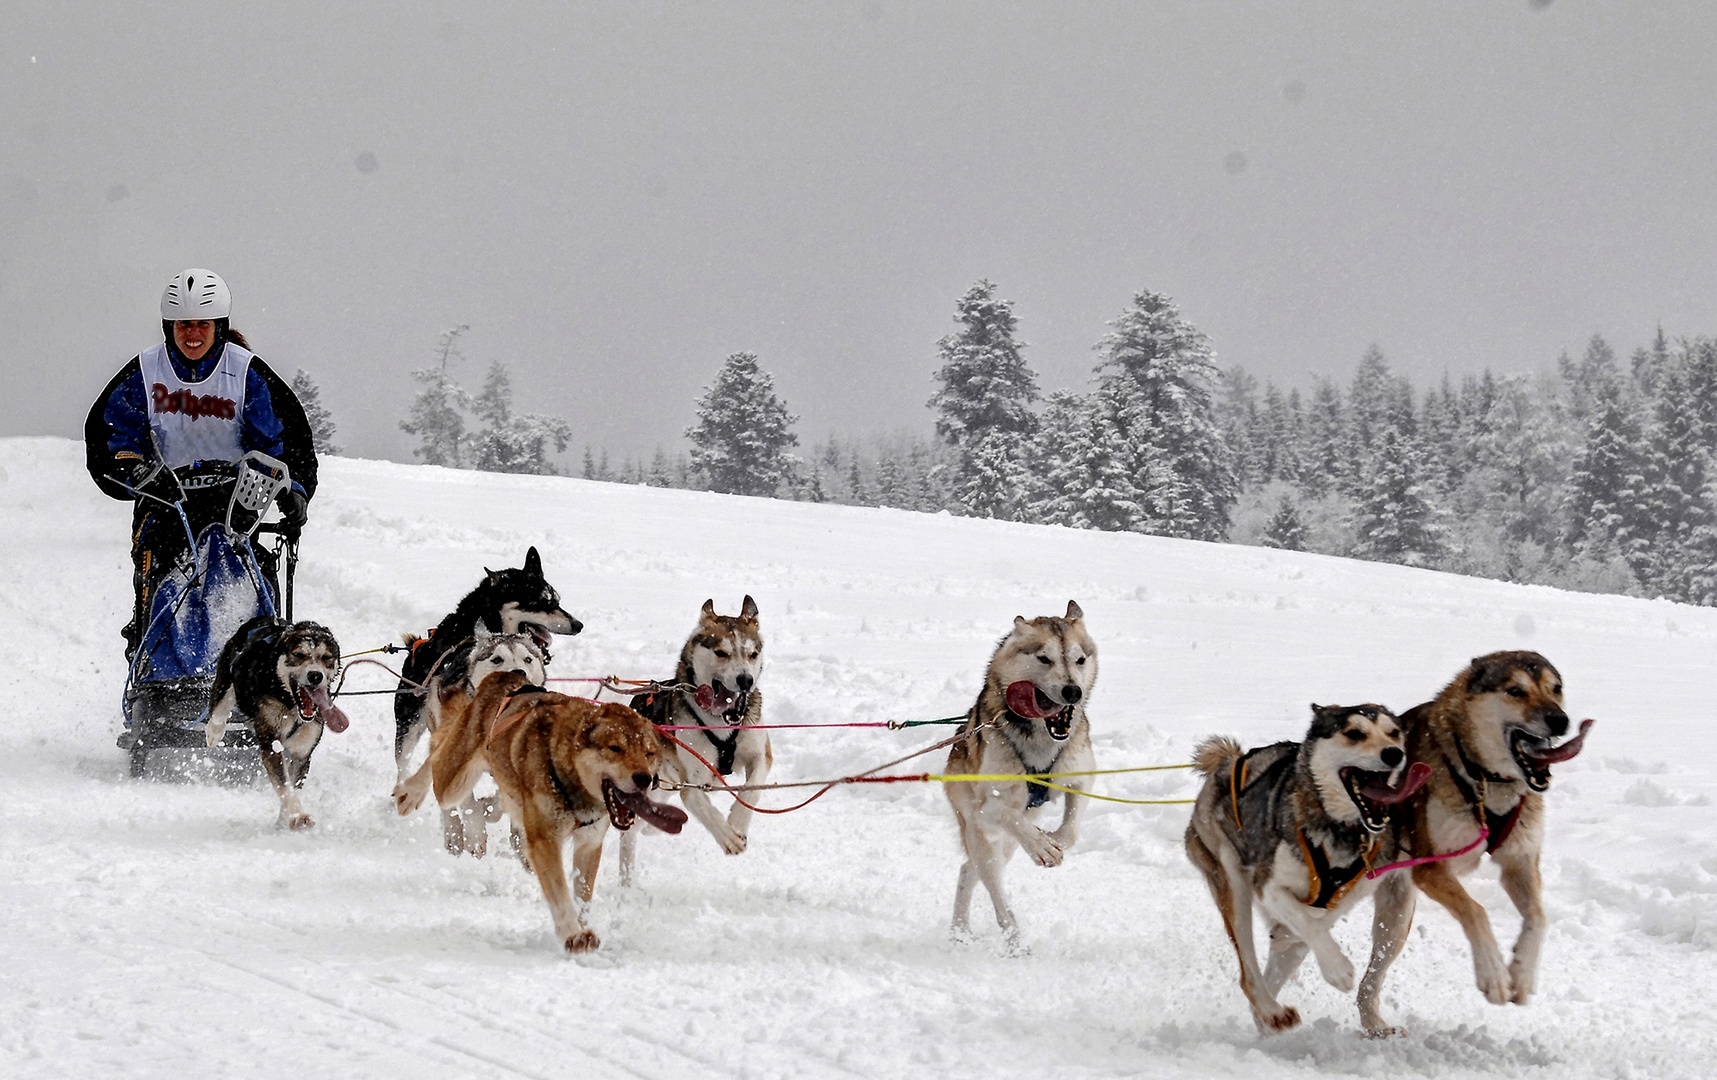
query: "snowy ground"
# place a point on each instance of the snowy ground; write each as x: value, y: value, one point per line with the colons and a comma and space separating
x: 166, y: 928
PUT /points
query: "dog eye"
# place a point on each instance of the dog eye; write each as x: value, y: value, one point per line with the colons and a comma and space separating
x: 1354, y: 735
x: 1043, y: 660
x: 1081, y: 660
x: 615, y: 750
x: 1516, y: 692
x: 1557, y: 689
x: 722, y: 653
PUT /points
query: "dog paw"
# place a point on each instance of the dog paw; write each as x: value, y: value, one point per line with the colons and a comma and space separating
x: 491, y: 807
x: 405, y: 800
x: 215, y: 733
x: 1337, y: 971
x: 1521, y: 982
x: 731, y: 842
x: 1282, y: 1018
x: 961, y: 935
x: 300, y: 822
x: 1381, y: 1030
x: 1013, y: 948
x: 1493, y: 981
x: 583, y: 941
x: 1043, y: 849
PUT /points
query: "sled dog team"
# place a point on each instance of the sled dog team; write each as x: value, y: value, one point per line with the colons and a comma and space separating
x: 1369, y: 804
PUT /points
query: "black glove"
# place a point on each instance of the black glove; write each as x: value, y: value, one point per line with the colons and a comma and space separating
x: 150, y: 478
x: 294, y: 510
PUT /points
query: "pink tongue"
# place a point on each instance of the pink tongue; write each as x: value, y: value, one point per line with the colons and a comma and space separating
x: 705, y: 698
x: 332, y: 718
x: 666, y: 818
x: 1022, y: 700
x: 1417, y: 774
x: 1567, y: 750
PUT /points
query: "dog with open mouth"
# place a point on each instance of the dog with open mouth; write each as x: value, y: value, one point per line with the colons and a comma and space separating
x: 566, y: 768
x: 1295, y: 827
x: 1488, y: 738
x: 715, y: 707
x: 279, y: 675
x: 1029, y: 718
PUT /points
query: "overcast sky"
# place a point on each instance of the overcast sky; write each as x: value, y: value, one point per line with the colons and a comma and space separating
x: 616, y: 196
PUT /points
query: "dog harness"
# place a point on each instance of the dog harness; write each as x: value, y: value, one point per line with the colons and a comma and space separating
x: 724, y: 749
x: 1498, y: 825
x: 1329, y: 884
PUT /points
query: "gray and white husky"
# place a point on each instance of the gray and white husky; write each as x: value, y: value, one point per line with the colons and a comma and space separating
x: 1295, y: 826
x: 1030, y: 717
x: 722, y: 659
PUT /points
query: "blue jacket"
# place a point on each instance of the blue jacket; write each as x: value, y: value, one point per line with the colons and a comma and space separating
x: 116, y: 432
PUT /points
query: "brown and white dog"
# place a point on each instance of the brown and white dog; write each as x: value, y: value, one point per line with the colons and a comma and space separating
x: 279, y: 675
x: 565, y: 767
x: 722, y: 659
x: 1295, y: 827
x: 1487, y: 738
x: 1029, y: 717
x: 465, y: 828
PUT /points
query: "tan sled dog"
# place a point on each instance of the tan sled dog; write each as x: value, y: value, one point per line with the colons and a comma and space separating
x: 722, y: 659
x: 1486, y: 737
x: 466, y: 827
x: 1030, y: 717
x: 565, y: 767
x: 1295, y: 827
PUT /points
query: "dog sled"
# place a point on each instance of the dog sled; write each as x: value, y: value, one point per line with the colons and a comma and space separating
x: 226, y: 576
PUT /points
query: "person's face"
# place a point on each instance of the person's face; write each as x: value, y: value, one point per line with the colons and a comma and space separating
x: 194, y: 336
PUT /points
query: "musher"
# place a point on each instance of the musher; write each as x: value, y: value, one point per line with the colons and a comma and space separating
x: 199, y: 395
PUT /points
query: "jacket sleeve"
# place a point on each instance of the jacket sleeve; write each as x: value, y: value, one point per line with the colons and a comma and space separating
x: 116, y: 431
x: 274, y: 423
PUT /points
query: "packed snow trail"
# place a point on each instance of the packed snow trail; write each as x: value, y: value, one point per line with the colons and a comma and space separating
x: 168, y: 929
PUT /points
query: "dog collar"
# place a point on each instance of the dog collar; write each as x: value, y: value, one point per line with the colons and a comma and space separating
x: 1330, y: 883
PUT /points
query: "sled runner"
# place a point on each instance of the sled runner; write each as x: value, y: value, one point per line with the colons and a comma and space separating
x: 222, y: 579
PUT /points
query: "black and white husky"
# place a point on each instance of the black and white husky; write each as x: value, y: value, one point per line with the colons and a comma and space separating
x: 279, y: 674
x: 722, y: 659
x: 1295, y: 827
x: 512, y: 601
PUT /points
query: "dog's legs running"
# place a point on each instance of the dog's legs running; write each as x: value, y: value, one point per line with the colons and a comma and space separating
x: 406, y: 743
x: 989, y: 857
x: 1312, y: 927
x: 962, y: 927
x: 218, y: 716
x: 1042, y: 848
x: 756, y: 772
x: 1441, y: 885
x: 274, y: 762
x: 543, y: 844
x: 409, y: 793
x: 473, y: 827
x: 698, y: 804
x: 1521, y: 881
x: 628, y: 854
x: 1067, y: 833
x: 1233, y: 897
x: 1287, y: 952
x: 1395, y: 900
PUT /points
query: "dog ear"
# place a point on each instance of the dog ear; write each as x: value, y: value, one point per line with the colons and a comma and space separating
x: 493, y: 579
x: 748, y: 611
x: 1074, y: 614
x: 709, y: 608
x: 533, y: 563
x: 1019, y: 622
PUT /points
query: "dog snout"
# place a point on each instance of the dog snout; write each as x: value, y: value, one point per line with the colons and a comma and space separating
x: 641, y: 781
x: 1071, y: 694
x: 314, y: 678
x: 576, y: 626
x: 1392, y: 756
x: 1557, y: 721
x: 744, y: 681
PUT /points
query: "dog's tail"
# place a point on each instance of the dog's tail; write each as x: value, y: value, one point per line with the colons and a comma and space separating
x: 411, y: 640
x: 1214, y: 753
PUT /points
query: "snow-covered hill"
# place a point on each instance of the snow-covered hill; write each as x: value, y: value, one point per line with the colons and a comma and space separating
x: 166, y: 928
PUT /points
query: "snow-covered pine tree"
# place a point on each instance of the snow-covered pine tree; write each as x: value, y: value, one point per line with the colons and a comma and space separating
x: 661, y: 473
x: 1236, y: 409
x: 1369, y: 414
x: 1396, y: 521
x: 1163, y: 368
x: 1326, y: 423
x: 513, y: 443
x: 1604, y: 501
x: 436, y: 418
x: 743, y: 438
x: 1091, y: 479
x: 1286, y: 530
x: 984, y: 405
x: 321, y: 420
x: 1589, y: 378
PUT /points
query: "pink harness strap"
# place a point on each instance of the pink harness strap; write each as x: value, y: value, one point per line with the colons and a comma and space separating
x: 1484, y: 834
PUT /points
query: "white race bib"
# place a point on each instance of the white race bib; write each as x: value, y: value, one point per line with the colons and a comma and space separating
x: 196, y: 421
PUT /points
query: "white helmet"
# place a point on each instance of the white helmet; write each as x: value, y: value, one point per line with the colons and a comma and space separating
x: 196, y: 294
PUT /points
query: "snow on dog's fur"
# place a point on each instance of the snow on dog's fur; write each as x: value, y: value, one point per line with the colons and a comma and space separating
x: 1044, y: 668
x: 725, y: 654
x: 1295, y: 827
x: 279, y: 675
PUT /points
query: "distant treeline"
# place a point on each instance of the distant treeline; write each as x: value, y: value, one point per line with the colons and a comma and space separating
x: 1597, y: 476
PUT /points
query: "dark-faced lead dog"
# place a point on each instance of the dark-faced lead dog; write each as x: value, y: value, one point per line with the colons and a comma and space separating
x: 512, y: 601
x: 279, y: 675
x: 1295, y: 826
x: 1029, y: 717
